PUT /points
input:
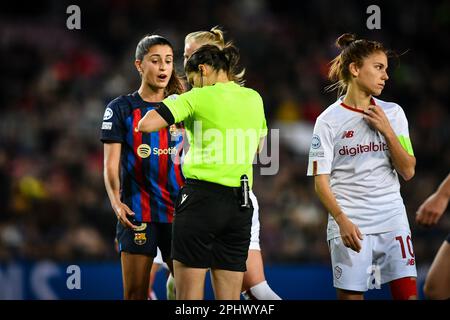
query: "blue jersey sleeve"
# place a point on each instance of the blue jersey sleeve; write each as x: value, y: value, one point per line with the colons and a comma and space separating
x: 113, y: 127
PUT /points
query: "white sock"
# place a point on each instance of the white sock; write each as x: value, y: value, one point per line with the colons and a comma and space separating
x: 261, y: 291
x: 152, y: 296
x: 170, y: 287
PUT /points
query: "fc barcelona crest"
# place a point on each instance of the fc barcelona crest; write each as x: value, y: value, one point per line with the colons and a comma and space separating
x: 140, y: 238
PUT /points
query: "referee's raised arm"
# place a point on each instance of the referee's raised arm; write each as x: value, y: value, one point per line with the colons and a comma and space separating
x: 152, y: 121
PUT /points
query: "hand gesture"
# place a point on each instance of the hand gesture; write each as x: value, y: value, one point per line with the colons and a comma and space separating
x: 350, y: 233
x: 122, y: 212
x: 376, y: 119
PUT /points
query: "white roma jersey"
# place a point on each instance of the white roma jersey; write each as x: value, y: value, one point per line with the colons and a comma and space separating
x: 357, y: 158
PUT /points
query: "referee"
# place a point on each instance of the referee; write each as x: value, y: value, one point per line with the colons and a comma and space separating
x: 225, y: 124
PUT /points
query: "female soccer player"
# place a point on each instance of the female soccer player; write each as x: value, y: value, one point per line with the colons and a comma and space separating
x: 254, y: 284
x: 359, y: 146
x: 437, y: 283
x: 213, y: 213
x: 142, y: 172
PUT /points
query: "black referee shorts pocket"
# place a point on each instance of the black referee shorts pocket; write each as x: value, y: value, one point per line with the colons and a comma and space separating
x: 186, y: 197
x: 189, y: 199
x: 178, y: 199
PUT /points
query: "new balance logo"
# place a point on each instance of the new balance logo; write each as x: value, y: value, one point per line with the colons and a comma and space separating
x: 411, y: 262
x: 183, y: 197
x: 348, y: 134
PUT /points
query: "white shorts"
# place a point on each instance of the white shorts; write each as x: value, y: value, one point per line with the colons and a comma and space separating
x: 384, y: 257
x: 254, y: 240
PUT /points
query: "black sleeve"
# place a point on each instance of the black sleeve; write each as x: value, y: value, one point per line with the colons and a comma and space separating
x: 165, y: 113
x: 113, y: 129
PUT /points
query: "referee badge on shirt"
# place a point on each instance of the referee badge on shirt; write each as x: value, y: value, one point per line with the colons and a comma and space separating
x: 143, y: 150
x: 140, y: 238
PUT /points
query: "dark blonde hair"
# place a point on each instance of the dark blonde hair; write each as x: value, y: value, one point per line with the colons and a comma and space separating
x: 215, y: 37
x: 352, y: 50
x: 144, y: 45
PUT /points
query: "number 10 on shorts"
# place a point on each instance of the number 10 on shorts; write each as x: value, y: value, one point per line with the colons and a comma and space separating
x: 411, y: 260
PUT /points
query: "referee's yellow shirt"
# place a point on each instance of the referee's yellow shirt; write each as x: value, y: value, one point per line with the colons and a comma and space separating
x: 224, y: 123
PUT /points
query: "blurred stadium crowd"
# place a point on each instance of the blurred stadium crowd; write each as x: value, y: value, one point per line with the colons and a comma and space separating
x: 55, y: 83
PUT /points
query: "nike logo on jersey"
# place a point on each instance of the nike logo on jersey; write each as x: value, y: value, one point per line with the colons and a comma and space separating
x: 183, y: 197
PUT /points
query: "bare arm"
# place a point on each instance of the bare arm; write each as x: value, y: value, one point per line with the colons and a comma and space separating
x: 111, y: 177
x: 403, y: 163
x: 434, y: 206
x: 349, y: 232
x: 151, y: 122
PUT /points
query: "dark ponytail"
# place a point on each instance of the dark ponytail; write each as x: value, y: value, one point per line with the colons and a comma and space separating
x: 345, y: 40
x: 235, y: 71
x: 226, y: 59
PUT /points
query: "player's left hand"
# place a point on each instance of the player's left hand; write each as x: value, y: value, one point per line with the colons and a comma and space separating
x: 376, y: 119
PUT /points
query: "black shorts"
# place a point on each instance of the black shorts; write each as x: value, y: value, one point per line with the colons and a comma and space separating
x: 209, y: 228
x: 448, y: 238
x: 145, y: 239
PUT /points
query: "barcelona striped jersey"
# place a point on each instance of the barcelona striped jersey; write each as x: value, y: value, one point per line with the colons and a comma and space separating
x: 151, y: 174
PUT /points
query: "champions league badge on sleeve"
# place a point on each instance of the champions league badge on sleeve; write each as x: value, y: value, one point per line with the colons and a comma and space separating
x: 315, y: 142
x: 108, y: 114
